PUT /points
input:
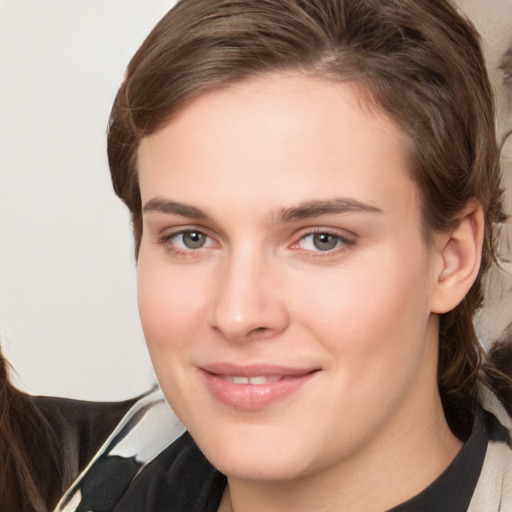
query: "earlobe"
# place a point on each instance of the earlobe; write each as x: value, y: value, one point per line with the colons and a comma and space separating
x: 458, y: 256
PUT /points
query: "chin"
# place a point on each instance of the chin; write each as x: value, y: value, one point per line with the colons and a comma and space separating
x: 253, y: 454
x: 260, y: 468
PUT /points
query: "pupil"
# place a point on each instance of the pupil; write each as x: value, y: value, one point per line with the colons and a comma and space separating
x: 324, y: 241
x: 193, y: 239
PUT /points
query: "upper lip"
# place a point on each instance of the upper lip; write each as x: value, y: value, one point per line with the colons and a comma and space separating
x: 255, y: 370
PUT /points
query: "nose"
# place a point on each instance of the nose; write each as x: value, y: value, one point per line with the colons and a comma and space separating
x: 248, y: 302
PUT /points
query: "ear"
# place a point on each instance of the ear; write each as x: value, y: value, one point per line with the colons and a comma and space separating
x: 457, y: 259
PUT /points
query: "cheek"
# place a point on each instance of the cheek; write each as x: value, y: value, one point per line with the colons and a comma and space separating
x: 372, y: 312
x: 170, y: 305
x: 366, y: 295
x: 170, y: 310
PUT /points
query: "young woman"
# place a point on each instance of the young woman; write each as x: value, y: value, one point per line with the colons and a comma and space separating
x: 315, y: 195
x: 45, y: 442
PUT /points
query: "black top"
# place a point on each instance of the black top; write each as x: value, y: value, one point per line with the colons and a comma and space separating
x: 58, y: 437
x: 180, y: 479
x: 80, y: 426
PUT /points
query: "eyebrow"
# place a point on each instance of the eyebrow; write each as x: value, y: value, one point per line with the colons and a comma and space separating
x: 316, y: 208
x: 306, y: 210
x: 161, y: 205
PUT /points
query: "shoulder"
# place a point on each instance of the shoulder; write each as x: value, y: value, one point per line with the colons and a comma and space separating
x: 493, y: 492
x: 179, y: 479
x: 144, y: 432
x: 46, y: 442
x: 81, y: 426
x: 81, y: 414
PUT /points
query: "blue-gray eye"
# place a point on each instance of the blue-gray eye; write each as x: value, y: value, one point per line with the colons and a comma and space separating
x: 193, y: 239
x: 325, y: 241
x: 322, y: 242
x: 187, y: 241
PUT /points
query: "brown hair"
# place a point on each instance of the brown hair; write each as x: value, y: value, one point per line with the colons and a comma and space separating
x: 26, y: 440
x: 417, y: 60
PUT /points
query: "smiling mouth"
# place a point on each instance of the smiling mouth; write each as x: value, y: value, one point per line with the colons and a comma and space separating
x: 254, y: 388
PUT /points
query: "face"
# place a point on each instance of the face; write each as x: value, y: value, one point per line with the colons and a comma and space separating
x: 284, y: 283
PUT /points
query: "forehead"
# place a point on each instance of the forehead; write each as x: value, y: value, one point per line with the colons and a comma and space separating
x: 314, y: 137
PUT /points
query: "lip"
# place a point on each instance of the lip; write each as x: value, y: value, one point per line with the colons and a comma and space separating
x: 282, y: 382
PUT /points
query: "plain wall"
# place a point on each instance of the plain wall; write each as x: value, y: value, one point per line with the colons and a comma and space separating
x: 68, y: 314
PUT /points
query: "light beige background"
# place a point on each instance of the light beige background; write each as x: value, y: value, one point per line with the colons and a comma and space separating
x: 68, y: 315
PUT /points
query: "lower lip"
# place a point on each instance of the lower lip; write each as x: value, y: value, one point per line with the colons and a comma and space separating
x: 253, y: 396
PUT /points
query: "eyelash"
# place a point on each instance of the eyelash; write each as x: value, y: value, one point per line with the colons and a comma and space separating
x: 342, y: 243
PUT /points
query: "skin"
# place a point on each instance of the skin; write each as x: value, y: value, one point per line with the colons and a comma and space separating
x: 366, y: 431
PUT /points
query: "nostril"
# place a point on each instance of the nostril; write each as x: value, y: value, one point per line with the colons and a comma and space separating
x: 258, y: 330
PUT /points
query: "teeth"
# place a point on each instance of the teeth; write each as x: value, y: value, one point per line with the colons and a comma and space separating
x: 255, y: 381
x: 258, y: 380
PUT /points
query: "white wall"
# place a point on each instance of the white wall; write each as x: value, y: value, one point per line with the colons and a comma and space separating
x: 68, y: 315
